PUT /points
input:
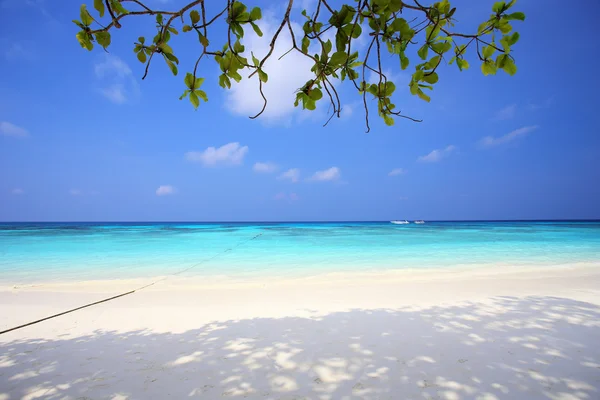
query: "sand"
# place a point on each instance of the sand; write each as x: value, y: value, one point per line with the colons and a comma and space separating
x: 489, y: 333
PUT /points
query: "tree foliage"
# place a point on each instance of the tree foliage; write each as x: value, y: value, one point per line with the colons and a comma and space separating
x: 401, y: 28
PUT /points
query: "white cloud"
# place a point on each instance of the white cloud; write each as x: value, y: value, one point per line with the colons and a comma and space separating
x: 112, y: 65
x: 292, y: 175
x: 75, y: 192
x: 266, y: 167
x: 8, y: 129
x: 18, y: 51
x: 120, y: 84
x: 347, y: 111
x: 331, y: 174
x: 165, y: 190
x: 17, y: 191
x: 490, y: 141
x: 228, y: 154
x: 285, y: 75
x: 538, y: 106
x: 397, y: 171
x: 437, y: 155
x: 507, y: 112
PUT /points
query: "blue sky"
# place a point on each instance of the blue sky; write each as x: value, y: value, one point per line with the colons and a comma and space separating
x: 83, y: 138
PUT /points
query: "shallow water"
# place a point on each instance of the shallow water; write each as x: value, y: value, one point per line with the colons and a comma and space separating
x: 81, y: 251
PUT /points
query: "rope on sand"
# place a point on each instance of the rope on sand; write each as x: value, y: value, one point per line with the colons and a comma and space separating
x: 134, y: 290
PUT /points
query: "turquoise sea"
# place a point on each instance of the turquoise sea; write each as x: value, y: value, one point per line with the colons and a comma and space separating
x: 31, y: 252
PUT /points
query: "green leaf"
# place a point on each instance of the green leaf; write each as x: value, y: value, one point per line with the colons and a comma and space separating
x: 203, y: 39
x: 194, y: 17
x: 338, y: 58
x: 173, y: 30
x: 488, y: 51
x: 389, y: 88
x: 86, y: 18
x: 141, y: 39
x: 498, y: 7
x: 309, y: 104
x: 423, y: 96
x: 305, y: 44
x: 488, y: 68
x: 141, y: 56
x: 189, y: 80
x: 103, y: 39
x: 514, y: 38
x: 256, y: 29
x: 509, y: 66
x: 441, y: 47
x: 118, y: 7
x: 483, y: 27
x: 431, y: 64
x: 172, y: 66
x: 423, y: 52
x: 99, y: 6
x: 159, y: 19
x: 315, y: 94
x: 84, y: 40
x: 202, y: 95
x: 263, y: 76
x: 255, y: 14
x: 184, y: 95
x: 224, y: 81
x: 389, y: 121
x: 194, y: 99
x: 255, y: 60
x: 198, y: 82
x: 516, y: 16
x: 403, y: 61
x: 505, y: 27
x: 462, y: 64
x: 238, y: 47
x: 237, y: 9
x: 187, y: 28
x: 431, y: 78
x: 172, y: 57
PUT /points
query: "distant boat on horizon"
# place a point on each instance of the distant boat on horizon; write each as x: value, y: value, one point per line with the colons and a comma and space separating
x: 419, y: 221
x: 405, y: 222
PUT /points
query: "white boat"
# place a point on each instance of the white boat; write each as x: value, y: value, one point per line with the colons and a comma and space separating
x: 405, y: 222
x: 419, y: 221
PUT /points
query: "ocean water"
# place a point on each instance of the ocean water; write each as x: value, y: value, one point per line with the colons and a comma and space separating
x: 81, y: 251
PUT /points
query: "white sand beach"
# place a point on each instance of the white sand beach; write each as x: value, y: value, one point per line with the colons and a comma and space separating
x: 471, y: 334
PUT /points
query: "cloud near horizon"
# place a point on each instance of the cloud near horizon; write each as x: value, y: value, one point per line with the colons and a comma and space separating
x: 12, y: 130
x: 229, y: 154
x: 505, y: 113
x: 397, y: 171
x: 165, y: 190
x: 330, y: 174
x: 438, y: 154
x: 490, y: 141
x: 292, y: 175
x: 265, y: 167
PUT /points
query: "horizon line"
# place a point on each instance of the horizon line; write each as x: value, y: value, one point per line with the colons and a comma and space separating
x: 295, y: 221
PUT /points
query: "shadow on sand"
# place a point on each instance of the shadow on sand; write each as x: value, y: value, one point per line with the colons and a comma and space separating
x: 507, y: 348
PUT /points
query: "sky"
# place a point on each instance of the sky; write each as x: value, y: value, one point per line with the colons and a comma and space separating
x: 83, y: 138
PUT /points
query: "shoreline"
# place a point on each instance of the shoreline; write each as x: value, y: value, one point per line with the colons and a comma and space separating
x: 372, y: 275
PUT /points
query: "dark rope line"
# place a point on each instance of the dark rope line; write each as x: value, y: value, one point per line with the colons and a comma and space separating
x: 131, y: 291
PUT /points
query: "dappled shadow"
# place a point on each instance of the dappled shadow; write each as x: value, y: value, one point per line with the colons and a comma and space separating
x: 507, y: 348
